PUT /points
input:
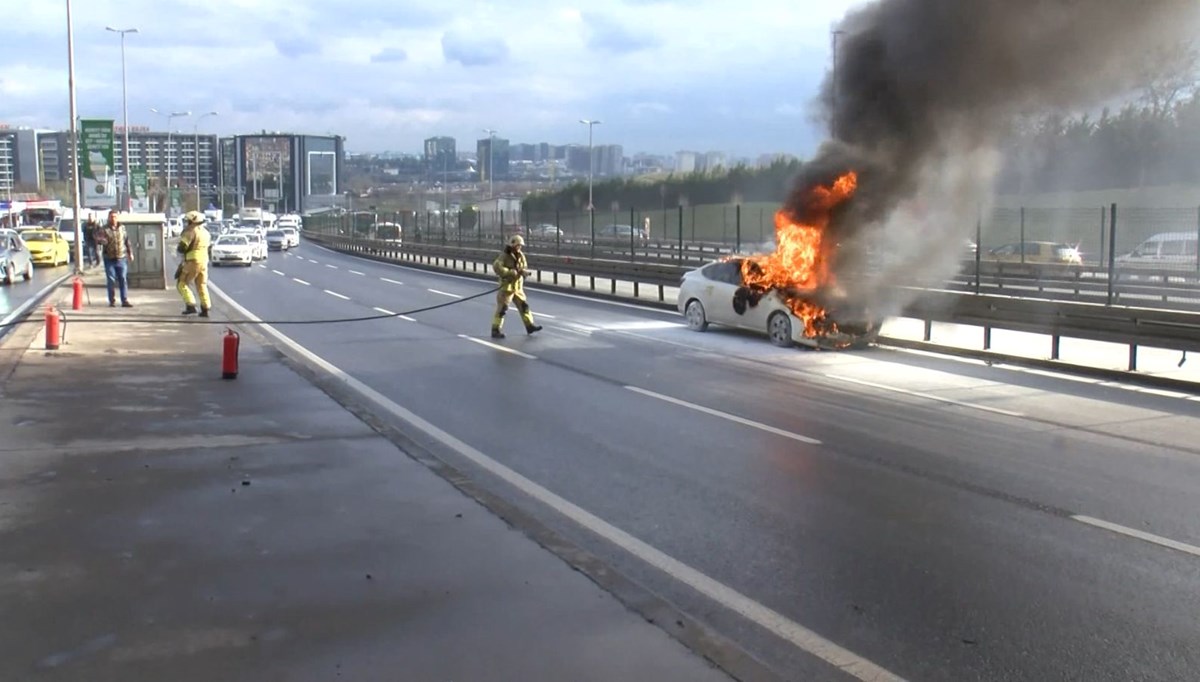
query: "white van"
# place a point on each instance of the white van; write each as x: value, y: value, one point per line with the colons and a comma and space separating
x: 1165, y: 249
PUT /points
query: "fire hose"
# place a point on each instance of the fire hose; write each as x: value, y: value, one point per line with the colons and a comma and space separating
x: 174, y: 319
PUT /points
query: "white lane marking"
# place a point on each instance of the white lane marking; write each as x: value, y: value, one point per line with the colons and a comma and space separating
x: 385, y: 311
x: 310, y: 260
x: 278, y: 273
x: 356, y: 272
x: 337, y: 295
x: 540, y: 290
x: 34, y: 300
x: 331, y: 266
x: 548, y: 316
x: 777, y: 623
x: 390, y: 281
x: 300, y: 281
x: 927, y: 396
x: 496, y: 346
x: 262, y: 266
x: 1139, y: 534
x: 443, y: 293
x: 406, y: 318
x: 725, y: 415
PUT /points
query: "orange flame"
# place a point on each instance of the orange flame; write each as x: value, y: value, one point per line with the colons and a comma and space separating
x: 799, y: 266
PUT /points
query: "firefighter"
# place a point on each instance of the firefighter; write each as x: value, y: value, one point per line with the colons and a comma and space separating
x: 194, y: 244
x: 511, y: 267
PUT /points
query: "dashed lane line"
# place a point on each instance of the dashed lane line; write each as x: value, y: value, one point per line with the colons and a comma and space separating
x: 496, y: 346
x: 356, y: 272
x: 443, y: 293
x: 300, y: 281
x: 385, y: 311
x: 927, y: 396
x: 725, y: 415
x: 331, y: 266
x: 1139, y: 534
x: 781, y: 626
x: 337, y: 295
x: 279, y: 273
x: 390, y: 281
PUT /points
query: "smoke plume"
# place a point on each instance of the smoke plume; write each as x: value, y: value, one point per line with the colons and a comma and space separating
x: 922, y: 94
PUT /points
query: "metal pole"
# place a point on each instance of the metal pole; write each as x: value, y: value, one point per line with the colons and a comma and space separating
x: 1022, y: 235
x: 75, y: 199
x: 591, y: 162
x: 1112, y: 249
x: 978, y: 247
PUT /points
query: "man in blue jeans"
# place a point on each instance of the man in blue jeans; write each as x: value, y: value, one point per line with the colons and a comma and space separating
x: 113, y: 242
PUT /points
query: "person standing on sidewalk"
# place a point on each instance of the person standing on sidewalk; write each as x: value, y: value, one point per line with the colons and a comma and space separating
x: 113, y: 243
x: 193, y: 244
x: 511, y: 267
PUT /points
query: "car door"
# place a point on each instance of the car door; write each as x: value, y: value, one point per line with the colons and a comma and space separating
x: 723, y: 279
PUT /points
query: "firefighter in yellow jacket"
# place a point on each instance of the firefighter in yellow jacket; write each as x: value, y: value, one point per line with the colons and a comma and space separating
x: 512, y: 268
x: 193, y: 244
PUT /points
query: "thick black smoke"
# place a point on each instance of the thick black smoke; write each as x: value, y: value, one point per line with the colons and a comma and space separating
x: 924, y: 91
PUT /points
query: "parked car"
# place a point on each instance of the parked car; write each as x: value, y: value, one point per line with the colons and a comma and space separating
x: 716, y: 294
x: 231, y: 249
x: 47, y: 247
x: 545, y: 231
x: 277, y: 240
x: 622, y: 234
x: 258, y: 245
x: 14, y: 257
x: 1165, y: 249
x: 1036, y: 252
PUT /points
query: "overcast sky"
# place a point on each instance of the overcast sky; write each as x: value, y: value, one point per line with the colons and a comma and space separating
x: 662, y: 75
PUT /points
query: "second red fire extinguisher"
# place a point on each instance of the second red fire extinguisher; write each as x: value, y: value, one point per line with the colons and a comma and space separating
x: 229, y: 354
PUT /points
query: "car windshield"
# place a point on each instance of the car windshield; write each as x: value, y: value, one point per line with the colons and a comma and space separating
x: 276, y: 233
x: 37, y: 237
x: 231, y: 241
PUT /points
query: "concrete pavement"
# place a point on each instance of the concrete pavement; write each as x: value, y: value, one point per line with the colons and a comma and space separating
x: 158, y: 522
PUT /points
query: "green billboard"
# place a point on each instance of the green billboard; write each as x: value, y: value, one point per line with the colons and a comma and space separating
x: 96, y: 168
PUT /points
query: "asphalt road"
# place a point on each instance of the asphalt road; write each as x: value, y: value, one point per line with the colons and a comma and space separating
x: 15, y: 295
x: 940, y: 519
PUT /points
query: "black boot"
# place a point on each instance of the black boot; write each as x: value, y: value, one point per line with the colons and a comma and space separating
x: 190, y: 310
x: 533, y: 328
x: 204, y: 312
x: 497, y: 334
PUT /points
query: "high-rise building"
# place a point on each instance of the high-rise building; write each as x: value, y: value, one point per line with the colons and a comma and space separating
x: 489, y: 155
x: 609, y: 159
x: 440, y: 153
x: 523, y: 151
x: 20, y: 162
x: 714, y: 161
x: 685, y: 162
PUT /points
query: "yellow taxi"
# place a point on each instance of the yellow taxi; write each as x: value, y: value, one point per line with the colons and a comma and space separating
x: 47, y: 247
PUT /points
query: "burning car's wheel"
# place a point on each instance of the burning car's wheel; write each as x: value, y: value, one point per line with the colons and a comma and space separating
x: 779, y: 328
x: 696, y: 319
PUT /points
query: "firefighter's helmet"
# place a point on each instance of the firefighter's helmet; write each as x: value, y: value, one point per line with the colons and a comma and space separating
x: 194, y: 218
x: 516, y: 240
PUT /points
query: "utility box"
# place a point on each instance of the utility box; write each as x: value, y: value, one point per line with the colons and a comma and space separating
x: 147, y: 237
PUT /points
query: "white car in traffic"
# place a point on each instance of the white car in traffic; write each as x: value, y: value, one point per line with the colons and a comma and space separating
x: 716, y: 294
x: 293, y: 235
x: 232, y: 249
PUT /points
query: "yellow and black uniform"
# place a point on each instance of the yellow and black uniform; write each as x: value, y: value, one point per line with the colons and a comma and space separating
x: 511, y: 267
x: 193, y: 244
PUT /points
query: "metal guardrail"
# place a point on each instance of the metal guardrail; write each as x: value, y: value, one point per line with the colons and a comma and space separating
x: 1176, y: 288
x: 1131, y: 326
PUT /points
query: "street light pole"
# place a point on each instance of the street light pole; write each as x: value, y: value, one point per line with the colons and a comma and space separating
x: 75, y: 198
x: 125, y: 201
x: 591, y: 164
x: 491, y: 148
x: 833, y: 91
x: 171, y: 116
x: 196, y: 151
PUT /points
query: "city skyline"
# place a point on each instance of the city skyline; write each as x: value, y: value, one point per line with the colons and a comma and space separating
x: 663, y: 76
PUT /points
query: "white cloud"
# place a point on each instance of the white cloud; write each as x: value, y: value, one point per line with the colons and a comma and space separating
x: 662, y: 74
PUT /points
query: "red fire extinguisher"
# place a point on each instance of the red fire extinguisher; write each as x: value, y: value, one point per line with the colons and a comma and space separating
x: 52, y: 328
x: 229, y: 355
x: 77, y: 298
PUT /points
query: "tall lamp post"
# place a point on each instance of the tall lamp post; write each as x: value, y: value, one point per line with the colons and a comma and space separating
x: 833, y: 91
x: 171, y: 116
x: 125, y: 201
x: 196, y: 151
x: 591, y: 164
x: 491, y: 148
x: 75, y: 198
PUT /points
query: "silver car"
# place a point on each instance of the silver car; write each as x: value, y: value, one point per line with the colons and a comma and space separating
x: 14, y: 257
